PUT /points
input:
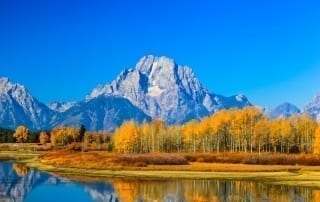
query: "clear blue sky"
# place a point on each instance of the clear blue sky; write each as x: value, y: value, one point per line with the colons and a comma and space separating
x: 269, y: 49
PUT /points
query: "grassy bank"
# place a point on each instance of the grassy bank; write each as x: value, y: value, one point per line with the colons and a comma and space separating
x: 18, y: 155
x: 106, y: 160
x: 305, y: 176
x: 294, y: 175
x: 25, y: 147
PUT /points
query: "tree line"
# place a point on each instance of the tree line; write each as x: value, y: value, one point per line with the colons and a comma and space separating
x: 6, y: 136
x: 234, y: 130
x: 61, y: 137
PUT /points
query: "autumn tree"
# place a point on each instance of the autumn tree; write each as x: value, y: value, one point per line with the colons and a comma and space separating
x: 190, y: 136
x: 280, y: 134
x: 204, y: 135
x: 261, y: 134
x: 44, y: 138
x: 174, y: 142
x: 304, y: 127
x: 64, y: 135
x: 234, y: 130
x: 126, y: 138
x: 21, y: 134
x: 316, y: 142
x: 158, y: 127
x: 220, y: 128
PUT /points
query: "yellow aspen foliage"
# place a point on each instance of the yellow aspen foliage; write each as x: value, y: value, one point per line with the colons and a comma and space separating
x: 261, y: 134
x: 280, y: 132
x: 21, y: 134
x: 316, y: 142
x: 233, y: 130
x: 190, y: 133
x: 64, y: 135
x: 126, y: 138
x: 304, y: 127
x: 204, y: 134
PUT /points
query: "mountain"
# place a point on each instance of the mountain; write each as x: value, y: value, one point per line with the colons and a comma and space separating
x: 284, y: 110
x: 313, y: 107
x: 157, y: 88
x: 101, y: 113
x: 163, y: 89
x: 60, y: 106
x: 19, y: 107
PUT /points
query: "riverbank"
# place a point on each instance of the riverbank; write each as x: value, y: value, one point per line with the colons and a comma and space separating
x: 18, y: 155
x: 307, y: 176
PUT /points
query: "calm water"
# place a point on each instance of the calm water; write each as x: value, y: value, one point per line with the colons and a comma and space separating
x: 18, y: 183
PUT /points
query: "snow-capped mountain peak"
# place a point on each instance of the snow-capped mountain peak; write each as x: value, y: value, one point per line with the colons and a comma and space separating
x: 313, y: 107
x: 156, y: 88
x: 145, y: 64
x: 163, y: 89
x: 19, y: 107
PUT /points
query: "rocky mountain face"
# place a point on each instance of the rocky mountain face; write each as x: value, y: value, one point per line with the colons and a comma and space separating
x: 157, y: 88
x: 101, y: 113
x: 284, y: 110
x: 313, y: 108
x: 19, y: 107
x: 165, y: 90
x: 60, y: 106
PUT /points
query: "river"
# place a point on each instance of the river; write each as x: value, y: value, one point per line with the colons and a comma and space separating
x: 19, y: 183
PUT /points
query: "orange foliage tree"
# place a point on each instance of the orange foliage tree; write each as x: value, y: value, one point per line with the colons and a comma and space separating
x: 21, y: 134
x: 234, y: 130
x: 316, y: 142
x: 126, y: 138
x: 64, y: 135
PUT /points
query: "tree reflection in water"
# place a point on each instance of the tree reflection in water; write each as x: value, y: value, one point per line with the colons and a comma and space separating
x: 209, y: 190
x: 17, y: 182
x: 20, y: 169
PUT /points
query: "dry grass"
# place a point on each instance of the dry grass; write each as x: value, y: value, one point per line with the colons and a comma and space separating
x: 104, y: 160
x: 25, y: 147
x: 183, y: 162
x: 15, y: 155
x: 280, y: 174
x: 256, y: 159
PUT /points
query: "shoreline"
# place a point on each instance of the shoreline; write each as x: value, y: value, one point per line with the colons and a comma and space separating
x: 305, y: 176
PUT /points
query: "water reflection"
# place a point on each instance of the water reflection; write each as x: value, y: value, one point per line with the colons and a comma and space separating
x: 209, y: 190
x: 20, y: 169
x: 18, y: 183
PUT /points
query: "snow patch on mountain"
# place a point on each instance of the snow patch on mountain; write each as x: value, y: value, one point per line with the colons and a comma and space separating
x: 60, y: 106
x: 163, y: 89
x: 19, y: 107
x: 313, y: 107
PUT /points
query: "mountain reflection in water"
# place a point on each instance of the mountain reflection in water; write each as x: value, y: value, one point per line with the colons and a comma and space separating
x: 18, y: 183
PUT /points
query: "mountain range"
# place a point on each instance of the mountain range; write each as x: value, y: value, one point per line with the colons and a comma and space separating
x: 156, y: 88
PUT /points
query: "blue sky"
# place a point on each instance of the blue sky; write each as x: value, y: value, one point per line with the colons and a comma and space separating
x: 267, y: 50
